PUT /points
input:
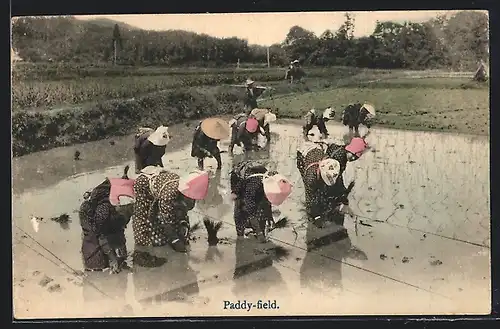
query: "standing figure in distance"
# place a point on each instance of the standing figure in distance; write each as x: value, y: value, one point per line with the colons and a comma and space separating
x: 206, y: 136
x: 251, y: 95
x: 313, y: 118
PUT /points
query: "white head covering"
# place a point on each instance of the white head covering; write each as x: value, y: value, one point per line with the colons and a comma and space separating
x: 160, y: 137
x: 269, y: 117
x: 328, y: 113
x: 329, y: 170
x: 370, y: 108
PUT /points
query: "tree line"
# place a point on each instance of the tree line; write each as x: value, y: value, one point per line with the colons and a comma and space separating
x: 458, y: 42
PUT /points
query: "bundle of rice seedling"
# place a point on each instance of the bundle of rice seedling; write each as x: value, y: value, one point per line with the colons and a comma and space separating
x: 282, y: 223
x: 212, y: 230
x: 125, y: 172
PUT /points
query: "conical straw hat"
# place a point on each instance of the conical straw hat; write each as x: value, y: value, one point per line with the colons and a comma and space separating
x: 215, y: 128
x: 259, y: 113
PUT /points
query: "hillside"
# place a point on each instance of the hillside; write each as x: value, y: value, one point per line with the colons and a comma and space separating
x: 67, y: 39
x: 456, y: 42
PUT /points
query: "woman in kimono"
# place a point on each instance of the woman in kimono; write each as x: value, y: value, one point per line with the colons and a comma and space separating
x: 347, y: 153
x: 150, y: 147
x: 357, y: 114
x: 264, y: 117
x: 315, y: 118
x: 323, y: 185
x: 163, y: 201
x: 103, y: 221
x: 244, y: 132
x: 255, y: 190
x: 206, y: 136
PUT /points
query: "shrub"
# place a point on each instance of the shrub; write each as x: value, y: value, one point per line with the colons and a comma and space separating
x: 35, y: 131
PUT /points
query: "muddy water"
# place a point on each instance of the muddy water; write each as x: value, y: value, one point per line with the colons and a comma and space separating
x: 425, y: 197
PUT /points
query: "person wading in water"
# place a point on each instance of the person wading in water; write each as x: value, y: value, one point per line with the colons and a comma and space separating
x: 251, y: 95
x: 255, y: 190
x: 206, y: 136
x: 103, y: 219
x: 358, y: 114
x: 150, y: 147
x: 163, y: 200
x: 318, y: 119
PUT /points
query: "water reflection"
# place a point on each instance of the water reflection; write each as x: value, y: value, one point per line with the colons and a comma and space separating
x: 254, y: 272
x: 102, y: 288
x: 214, y: 204
x: 213, y: 255
x: 321, y: 269
x: 162, y: 275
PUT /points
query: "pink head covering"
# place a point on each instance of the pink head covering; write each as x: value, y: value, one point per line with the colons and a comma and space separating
x: 276, y: 188
x: 194, y: 185
x: 357, y: 146
x: 252, y: 125
x: 120, y: 187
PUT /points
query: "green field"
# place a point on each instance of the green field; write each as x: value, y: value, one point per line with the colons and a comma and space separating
x: 445, y: 104
x: 58, y: 105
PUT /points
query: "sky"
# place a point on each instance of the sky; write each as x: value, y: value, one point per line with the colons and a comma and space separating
x: 266, y: 28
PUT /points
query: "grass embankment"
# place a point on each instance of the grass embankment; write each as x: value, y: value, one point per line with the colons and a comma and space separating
x: 443, y: 104
x: 131, y: 104
x: 58, y: 88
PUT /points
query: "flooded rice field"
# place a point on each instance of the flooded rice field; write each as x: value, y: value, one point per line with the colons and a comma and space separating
x: 423, y: 207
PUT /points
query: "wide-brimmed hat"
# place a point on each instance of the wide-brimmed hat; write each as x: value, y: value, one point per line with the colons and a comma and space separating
x: 160, y: 137
x: 259, y: 114
x: 295, y: 61
x: 370, y: 108
x: 249, y: 82
x: 215, y: 128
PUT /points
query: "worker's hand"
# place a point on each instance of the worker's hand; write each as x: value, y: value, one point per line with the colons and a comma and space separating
x: 114, y: 267
x: 347, y: 211
x: 233, y: 196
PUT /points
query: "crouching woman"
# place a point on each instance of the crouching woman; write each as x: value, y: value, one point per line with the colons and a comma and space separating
x: 163, y: 201
x: 255, y: 190
x: 103, y: 221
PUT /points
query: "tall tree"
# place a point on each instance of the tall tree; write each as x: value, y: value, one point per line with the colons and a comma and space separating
x: 117, y: 41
